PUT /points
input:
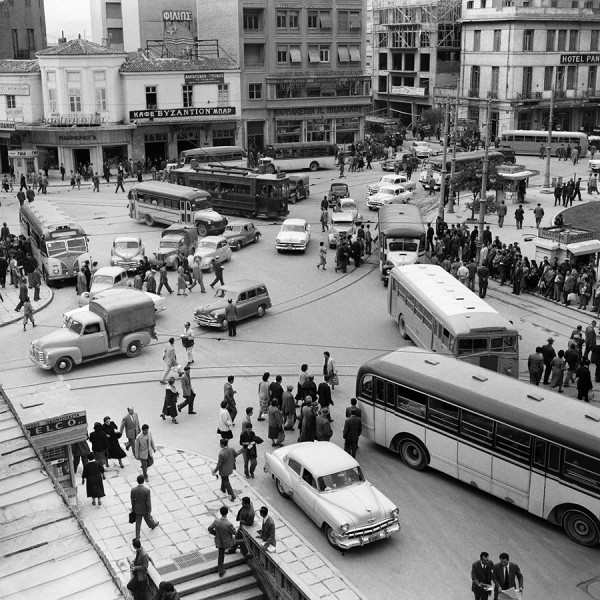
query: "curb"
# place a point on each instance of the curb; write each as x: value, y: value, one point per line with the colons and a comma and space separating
x: 19, y: 317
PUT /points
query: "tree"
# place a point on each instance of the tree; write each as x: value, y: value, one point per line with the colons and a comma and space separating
x: 431, y: 118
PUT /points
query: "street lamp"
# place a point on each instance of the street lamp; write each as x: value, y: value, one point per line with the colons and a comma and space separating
x: 486, y: 162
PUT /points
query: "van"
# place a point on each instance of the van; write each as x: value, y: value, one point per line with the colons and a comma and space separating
x: 299, y: 187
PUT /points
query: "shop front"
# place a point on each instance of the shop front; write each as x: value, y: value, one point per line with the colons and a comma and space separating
x: 512, y: 178
x: 24, y: 162
x: 575, y: 244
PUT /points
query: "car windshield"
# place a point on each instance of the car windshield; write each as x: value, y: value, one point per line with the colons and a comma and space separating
x: 168, y: 244
x: 126, y: 245
x: 388, y: 190
x: 54, y: 248
x: 221, y: 293
x: 234, y: 228
x: 343, y: 479
x: 297, y: 228
x: 207, y: 245
x: 348, y: 205
x: 103, y: 279
x: 74, y: 326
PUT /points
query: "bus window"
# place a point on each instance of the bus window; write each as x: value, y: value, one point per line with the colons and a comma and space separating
x: 379, y: 398
x: 366, y: 386
x: 476, y: 427
x: 471, y: 345
x: 554, y: 459
x: 582, y: 469
x: 55, y: 248
x: 539, y: 453
x: 427, y: 318
x: 411, y: 401
x: 443, y: 414
x: 507, y: 343
x: 446, y: 337
x: 513, y: 442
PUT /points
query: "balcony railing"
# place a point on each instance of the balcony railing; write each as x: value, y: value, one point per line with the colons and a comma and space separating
x: 564, y: 235
x: 78, y: 119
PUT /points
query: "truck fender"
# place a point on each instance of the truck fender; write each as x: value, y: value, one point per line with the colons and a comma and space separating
x: 142, y: 336
x: 73, y: 353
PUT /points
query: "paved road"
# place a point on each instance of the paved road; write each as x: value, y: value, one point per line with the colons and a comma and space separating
x: 445, y: 524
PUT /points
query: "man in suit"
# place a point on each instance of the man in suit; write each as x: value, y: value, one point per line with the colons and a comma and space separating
x: 353, y: 402
x: 506, y: 575
x: 481, y: 574
x: 144, y: 449
x: 225, y: 467
x: 139, y: 571
x: 141, y: 505
x: 324, y: 395
x: 267, y: 532
x: 224, y: 533
x: 352, y: 431
x: 131, y: 425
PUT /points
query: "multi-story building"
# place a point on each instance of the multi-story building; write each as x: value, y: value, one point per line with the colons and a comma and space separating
x: 520, y: 52
x: 416, y: 47
x: 22, y: 29
x: 303, y: 65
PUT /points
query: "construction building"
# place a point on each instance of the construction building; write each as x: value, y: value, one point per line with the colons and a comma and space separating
x: 22, y: 29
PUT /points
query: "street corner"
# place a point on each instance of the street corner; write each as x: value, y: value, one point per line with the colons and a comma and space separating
x: 10, y: 302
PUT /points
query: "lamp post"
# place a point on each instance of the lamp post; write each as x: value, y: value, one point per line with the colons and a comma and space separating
x: 549, y: 140
x: 484, y: 178
x: 444, y: 162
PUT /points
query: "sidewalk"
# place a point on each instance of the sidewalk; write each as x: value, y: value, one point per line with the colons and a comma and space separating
x: 186, y: 498
x: 11, y: 300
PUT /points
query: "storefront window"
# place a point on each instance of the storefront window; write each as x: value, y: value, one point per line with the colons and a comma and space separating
x: 346, y: 130
x: 318, y: 131
x: 288, y: 131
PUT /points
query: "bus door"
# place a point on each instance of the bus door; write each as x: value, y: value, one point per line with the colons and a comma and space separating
x: 262, y: 199
x: 185, y: 211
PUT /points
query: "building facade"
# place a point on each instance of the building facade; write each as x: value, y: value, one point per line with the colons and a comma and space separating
x: 519, y: 53
x: 22, y: 28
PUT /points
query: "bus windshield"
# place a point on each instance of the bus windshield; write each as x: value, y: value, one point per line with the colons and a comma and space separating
x: 77, y: 244
x: 54, y: 248
x: 202, y: 203
x: 472, y: 345
x: 340, y: 480
x: 508, y: 343
x: 408, y: 245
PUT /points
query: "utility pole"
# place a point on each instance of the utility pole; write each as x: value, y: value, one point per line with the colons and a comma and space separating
x: 453, y: 160
x: 484, y: 178
x: 444, y: 159
x: 549, y: 141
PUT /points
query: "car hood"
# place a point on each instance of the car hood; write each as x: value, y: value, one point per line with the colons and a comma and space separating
x: 99, y: 287
x: 361, y: 505
x: 381, y: 196
x: 202, y: 252
x: 127, y: 252
x: 62, y: 337
x: 291, y: 236
x: 217, y: 304
x: 209, y: 214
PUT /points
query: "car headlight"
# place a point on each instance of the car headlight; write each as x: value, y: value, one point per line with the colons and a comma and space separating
x: 214, y: 315
x: 209, y: 222
x: 277, y: 240
x: 395, y: 512
x: 55, y: 270
x: 345, y: 527
x: 508, y: 369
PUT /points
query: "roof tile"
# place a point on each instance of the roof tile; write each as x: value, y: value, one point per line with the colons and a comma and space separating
x: 78, y: 47
x: 142, y: 62
x: 19, y: 66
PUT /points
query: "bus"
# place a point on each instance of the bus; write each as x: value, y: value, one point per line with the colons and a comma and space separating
x: 525, y: 141
x: 159, y: 202
x: 464, y: 160
x: 214, y: 154
x: 528, y: 446
x: 59, y: 245
x: 439, y: 313
x: 239, y: 191
x: 401, y: 232
x: 295, y: 156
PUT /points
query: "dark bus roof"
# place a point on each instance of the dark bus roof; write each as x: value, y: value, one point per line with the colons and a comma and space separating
x: 397, y: 219
x: 170, y: 190
x: 539, y: 411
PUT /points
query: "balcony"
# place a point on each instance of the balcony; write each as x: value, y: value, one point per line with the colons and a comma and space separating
x: 74, y: 120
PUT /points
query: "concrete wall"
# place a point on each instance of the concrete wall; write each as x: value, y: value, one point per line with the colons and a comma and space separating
x: 22, y: 17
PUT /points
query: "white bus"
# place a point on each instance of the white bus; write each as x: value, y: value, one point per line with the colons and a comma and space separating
x: 59, y: 245
x: 215, y: 154
x: 529, y: 446
x: 525, y: 141
x: 439, y: 313
x: 295, y: 156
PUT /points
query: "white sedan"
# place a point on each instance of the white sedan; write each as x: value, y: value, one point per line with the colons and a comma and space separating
x: 293, y: 235
x: 329, y: 486
x: 373, y: 188
x: 349, y: 205
x: 212, y: 249
x: 389, y: 193
x: 422, y: 150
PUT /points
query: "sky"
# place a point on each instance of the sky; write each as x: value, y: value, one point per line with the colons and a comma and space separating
x: 70, y: 16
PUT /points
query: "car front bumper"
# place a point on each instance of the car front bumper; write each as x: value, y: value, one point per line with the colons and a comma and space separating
x: 298, y: 247
x: 39, y: 357
x: 352, y: 541
x: 207, y: 321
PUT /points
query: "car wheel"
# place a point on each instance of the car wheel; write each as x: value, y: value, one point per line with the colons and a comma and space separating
x: 224, y: 325
x: 63, y: 365
x: 202, y: 230
x: 281, y: 489
x: 270, y: 169
x: 330, y: 536
x: 238, y: 245
x: 133, y: 349
x: 149, y: 220
x: 261, y: 310
x: 402, y: 328
x: 413, y: 454
x: 256, y: 238
x: 581, y: 528
x: 314, y: 166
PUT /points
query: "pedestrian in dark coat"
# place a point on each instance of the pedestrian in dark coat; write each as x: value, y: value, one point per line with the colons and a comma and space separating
x: 99, y: 443
x: 584, y: 381
x: 23, y: 295
x: 224, y: 533
x: 93, y: 476
x: 309, y: 424
x: 310, y: 387
x: 275, y: 434
x: 114, y: 449
x: 324, y: 395
x: 170, y: 403
x: 352, y: 432
x: 323, y: 427
x: 218, y: 275
x: 36, y: 279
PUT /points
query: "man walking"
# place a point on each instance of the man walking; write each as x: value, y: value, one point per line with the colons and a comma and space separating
x: 248, y: 442
x: 352, y: 432
x: 144, y: 450
x: 481, y: 576
x: 141, y: 506
x: 163, y: 281
x: 538, y: 213
x: 120, y: 182
x: 197, y: 276
x: 96, y: 182
x: 519, y: 216
x: 535, y: 366
x: 218, y: 275
x: 131, y: 425
x: 224, y: 533
x: 187, y: 391
x: 548, y: 353
x: 187, y: 340
x: 590, y: 338
x: 225, y: 467
x: 139, y: 571
x: 36, y: 280
x: 170, y: 360
x: 231, y: 317
x: 502, y: 210
x: 506, y: 575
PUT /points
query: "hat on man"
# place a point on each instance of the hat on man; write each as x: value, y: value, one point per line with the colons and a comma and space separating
x: 171, y: 379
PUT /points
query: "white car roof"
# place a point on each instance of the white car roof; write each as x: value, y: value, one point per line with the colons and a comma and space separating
x: 212, y: 238
x: 321, y: 458
x: 294, y: 222
x: 110, y: 271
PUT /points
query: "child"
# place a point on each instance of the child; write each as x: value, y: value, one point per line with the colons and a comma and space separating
x: 72, y: 181
x: 28, y: 313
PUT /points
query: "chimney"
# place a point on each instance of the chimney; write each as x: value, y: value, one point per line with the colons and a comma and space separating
x: 62, y: 39
x: 106, y: 42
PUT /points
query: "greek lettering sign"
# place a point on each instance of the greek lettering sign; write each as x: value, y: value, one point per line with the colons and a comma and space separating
x: 14, y: 89
x: 580, y: 59
x: 318, y: 110
x: 170, y: 113
x: 10, y: 125
x: 56, y: 424
x: 200, y: 78
x: 177, y: 15
x: 23, y: 153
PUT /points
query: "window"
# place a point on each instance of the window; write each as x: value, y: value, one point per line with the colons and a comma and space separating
x: 476, y: 427
x: 151, y: 97
x: 497, y: 40
x: 527, y: 81
x: 281, y: 19
x: 313, y: 19
x: 188, y: 95
x: 592, y: 74
x: 295, y: 55
x: 470, y: 3
x: 550, y: 40
x: 282, y: 55
x: 582, y: 469
x: 548, y: 76
x: 475, y: 74
x: 251, y: 21
x: 477, y: 40
x: 528, y: 40
x: 562, y: 40
x: 319, y: 19
x: 348, y: 20
x: 513, y: 442
x: 594, y: 40
x: 410, y: 401
x: 74, y: 91
x: 366, y: 386
x: 15, y: 42
x: 31, y: 39
x: 571, y: 77
x: 495, y: 80
x: 11, y: 102
x: 113, y: 10
x: 223, y: 94
x: 443, y: 414
x: 295, y: 466
x: 573, y: 40
x: 354, y: 53
x: 294, y: 19
x: 100, y: 91
x: 255, y: 91
x: 560, y: 78
x: 472, y: 345
x: 307, y: 477
x: 318, y: 54
x: 115, y: 35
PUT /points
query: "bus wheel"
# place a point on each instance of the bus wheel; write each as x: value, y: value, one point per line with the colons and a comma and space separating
x: 63, y: 365
x: 270, y: 169
x: 202, y: 230
x: 402, y: 328
x: 413, y: 454
x: 581, y: 528
x: 314, y: 165
x: 149, y: 220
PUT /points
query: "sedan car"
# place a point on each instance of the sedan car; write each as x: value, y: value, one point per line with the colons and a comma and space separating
x: 388, y: 193
x: 212, y: 249
x: 389, y: 164
x: 342, y: 225
x: 373, y: 188
x: 329, y: 486
x: 127, y: 251
x: 348, y: 205
x: 240, y: 234
x: 293, y: 235
x: 422, y: 150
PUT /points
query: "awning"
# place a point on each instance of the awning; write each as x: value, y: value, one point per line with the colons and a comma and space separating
x: 295, y: 55
x: 325, y: 20
x: 343, y: 54
x: 355, y: 53
x: 524, y: 174
x: 587, y: 247
x: 313, y: 54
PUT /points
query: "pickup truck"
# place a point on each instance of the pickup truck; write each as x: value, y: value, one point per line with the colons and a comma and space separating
x: 116, y: 324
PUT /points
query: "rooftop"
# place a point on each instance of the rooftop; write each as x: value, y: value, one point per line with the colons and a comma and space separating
x: 142, y: 62
x: 19, y: 66
x: 78, y: 47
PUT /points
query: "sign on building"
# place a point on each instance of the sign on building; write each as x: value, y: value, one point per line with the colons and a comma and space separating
x: 200, y: 78
x: 589, y: 58
x: 170, y: 113
x: 14, y: 89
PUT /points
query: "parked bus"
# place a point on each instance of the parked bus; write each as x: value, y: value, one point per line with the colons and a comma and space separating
x: 439, y: 313
x: 524, y: 141
x: 529, y: 446
x: 238, y: 191
x: 160, y: 202
x: 401, y: 232
x: 295, y: 156
x: 214, y: 154
x: 464, y: 160
x: 59, y: 245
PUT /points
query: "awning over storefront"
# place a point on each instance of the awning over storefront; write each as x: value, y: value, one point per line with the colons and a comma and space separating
x: 525, y: 174
x: 587, y: 247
